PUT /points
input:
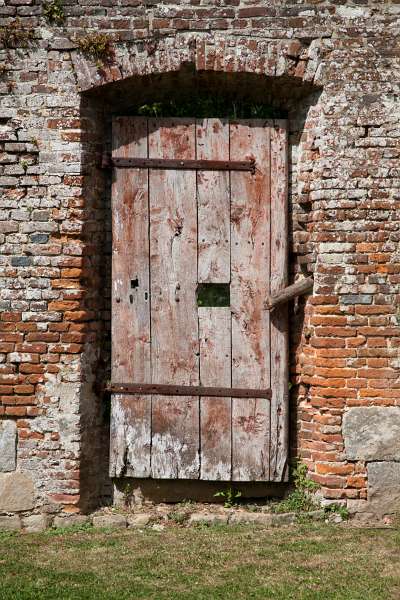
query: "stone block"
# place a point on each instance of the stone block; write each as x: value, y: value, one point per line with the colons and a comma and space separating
x: 314, y: 515
x: 364, y: 518
x: 36, y: 523
x: 10, y: 523
x: 356, y: 299
x: 110, y: 520
x: 372, y: 433
x: 139, y: 520
x: 8, y: 446
x: 16, y: 492
x: 265, y: 519
x: 21, y: 261
x: 279, y: 519
x: 207, y: 519
x: 39, y: 238
x: 384, y: 488
x: 357, y: 506
x: 70, y: 520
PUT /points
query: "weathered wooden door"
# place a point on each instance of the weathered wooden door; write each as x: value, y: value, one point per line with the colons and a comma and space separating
x: 197, y: 246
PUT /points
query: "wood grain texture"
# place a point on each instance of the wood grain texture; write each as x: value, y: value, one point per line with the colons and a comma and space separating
x: 171, y: 230
x: 212, y: 142
x: 131, y: 437
x: 130, y: 306
x: 250, y: 271
x: 213, y: 196
x: 215, y: 413
x: 174, y: 323
x: 279, y: 317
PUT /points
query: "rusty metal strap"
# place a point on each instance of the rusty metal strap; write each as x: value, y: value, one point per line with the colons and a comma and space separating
x: 185, y: 390
x: 167, y: 163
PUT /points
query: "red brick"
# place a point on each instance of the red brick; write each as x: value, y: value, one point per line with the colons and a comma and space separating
x: 15, y: 411
x: 29, y: 368
x: 24, y: 389
x: 10, y: 316
x: 331, y: 468
x: 65, y: 498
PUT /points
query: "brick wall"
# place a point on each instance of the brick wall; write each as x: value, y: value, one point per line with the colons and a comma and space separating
x: 334, y: 67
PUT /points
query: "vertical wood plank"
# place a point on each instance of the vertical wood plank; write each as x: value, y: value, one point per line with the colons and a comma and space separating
x: 250, y: 260
x: 130, y: 417
x: 212, y: 143
x: 174, y: 323
x: 279, y: 317
x: 130, y: 436
x: 215, y: 413
x: 213, y: 196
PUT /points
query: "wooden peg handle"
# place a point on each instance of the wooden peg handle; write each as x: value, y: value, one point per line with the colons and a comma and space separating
x: 303, y: 286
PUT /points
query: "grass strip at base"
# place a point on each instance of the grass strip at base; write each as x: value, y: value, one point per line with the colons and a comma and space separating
x: 303, y: 562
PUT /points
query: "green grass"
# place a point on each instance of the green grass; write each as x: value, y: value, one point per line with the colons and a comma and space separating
x: 306, y: 562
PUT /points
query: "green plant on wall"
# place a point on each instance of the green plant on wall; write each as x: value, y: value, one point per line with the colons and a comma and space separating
x: 96, y: 46
x: 337, y: 509
x: 301, y: 499
x: 53, y: 12
x: 230, y: 497
x: 16, y: 35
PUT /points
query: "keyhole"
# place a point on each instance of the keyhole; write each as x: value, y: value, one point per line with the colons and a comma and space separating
x: 146, y: 295
x: 134, y: 283
x: 131, y: 298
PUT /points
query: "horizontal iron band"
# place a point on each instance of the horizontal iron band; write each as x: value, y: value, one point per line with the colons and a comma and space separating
x: 185, y: 390
x: 167, y: 163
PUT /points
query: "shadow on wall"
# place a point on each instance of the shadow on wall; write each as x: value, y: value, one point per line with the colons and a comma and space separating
x: 288, y: 98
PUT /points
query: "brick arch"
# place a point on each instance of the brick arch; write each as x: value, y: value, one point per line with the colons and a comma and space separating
x: 289, y: 71
x: 297, y: 59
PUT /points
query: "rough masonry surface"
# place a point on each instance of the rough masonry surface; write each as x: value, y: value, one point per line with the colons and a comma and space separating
x: 372, y: 433
x: 8, y: 446
x: 16, y: 492
x: 334, y: 69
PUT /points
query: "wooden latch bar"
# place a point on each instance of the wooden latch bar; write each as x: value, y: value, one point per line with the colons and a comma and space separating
x: 185, y: 390
x: 303, y: 286
x: 172, y: 163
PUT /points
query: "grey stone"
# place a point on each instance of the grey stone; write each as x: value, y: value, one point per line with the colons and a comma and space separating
x: 16, y: 492
x: 110, y: 520
x: 207, y: 518
x: 21, y: 261
x: 356, y: 299
x: 283, y: 519
x: 357, y: 506
x: 372, y: 433
x: 40, y: 215
x: 384, y: 488
x: 365, y: 518
x: 336, y: 518
x: 11, y: 523
x: 8, y: 446
x: 36, y: 523
x: 70, y: 520
x: 316, y: 515
x: 39, y: 238
x: 62, y: 43
x: 140, y: 520
x: 249, y: 517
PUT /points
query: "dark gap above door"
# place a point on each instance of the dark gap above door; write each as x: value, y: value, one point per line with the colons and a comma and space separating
x: 206, y: 105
